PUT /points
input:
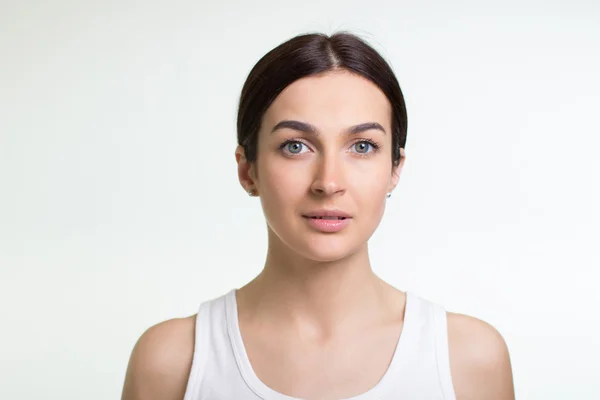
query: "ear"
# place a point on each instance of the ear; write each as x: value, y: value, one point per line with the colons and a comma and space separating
x: 246, y: 172
x: 396, y: 171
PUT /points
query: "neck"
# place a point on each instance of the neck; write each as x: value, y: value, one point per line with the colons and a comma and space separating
x: 315, y: 297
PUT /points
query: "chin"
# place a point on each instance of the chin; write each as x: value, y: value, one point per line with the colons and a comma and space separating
x: 319, y: 246
x: 327, y: 249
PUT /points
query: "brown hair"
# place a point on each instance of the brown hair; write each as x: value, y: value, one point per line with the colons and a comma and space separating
x: 312, y: 54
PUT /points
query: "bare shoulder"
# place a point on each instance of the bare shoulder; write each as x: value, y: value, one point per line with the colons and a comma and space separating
x: 479, y: 360
x: 161, y: 361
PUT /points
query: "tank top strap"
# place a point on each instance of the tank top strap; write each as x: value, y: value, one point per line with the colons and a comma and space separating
x: 425, y: 365
x: 442, y: 350
x: 201, y: 351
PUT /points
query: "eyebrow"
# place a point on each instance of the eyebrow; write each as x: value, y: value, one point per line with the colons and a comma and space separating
x: 311, y: 129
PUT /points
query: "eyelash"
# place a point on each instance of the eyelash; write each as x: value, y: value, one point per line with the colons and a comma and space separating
x: 374, y: 144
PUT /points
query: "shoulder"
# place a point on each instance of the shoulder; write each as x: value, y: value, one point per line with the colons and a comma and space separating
x: 479, y: 360
x: 161, y: 361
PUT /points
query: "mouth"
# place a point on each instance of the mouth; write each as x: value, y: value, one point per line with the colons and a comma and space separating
x: 328, y: 218
x: 327, y: 221
x: 327, y: 214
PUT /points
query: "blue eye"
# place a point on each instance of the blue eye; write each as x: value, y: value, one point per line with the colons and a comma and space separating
x: 293, y: 147
x: 362, y: 147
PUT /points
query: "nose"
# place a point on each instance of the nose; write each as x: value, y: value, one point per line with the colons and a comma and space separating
x: 329, y: 176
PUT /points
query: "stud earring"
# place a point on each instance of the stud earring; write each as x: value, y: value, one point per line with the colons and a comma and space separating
x: 251, y: 192
x: 388, y: 195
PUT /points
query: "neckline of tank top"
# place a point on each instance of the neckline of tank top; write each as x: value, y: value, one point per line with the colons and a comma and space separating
x: 266, y: 393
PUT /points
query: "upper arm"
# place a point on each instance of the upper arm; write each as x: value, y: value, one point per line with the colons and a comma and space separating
x: 479, y: 360
x: 160, y: 362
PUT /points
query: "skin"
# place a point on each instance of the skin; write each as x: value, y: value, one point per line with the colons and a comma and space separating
x: 317, y: 296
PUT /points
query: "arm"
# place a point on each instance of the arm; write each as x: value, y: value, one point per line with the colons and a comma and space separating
x: 160, y: 362
x: 479, y: 360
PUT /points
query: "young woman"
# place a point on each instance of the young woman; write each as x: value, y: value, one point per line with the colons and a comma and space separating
x: 321, y: 133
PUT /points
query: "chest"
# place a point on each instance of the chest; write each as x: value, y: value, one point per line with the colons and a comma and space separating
x: 339, y: 368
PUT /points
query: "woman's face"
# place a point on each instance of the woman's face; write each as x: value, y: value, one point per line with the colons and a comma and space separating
x: 324, y: 165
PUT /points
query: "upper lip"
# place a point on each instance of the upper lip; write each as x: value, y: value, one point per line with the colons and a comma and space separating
x: 327, y: 213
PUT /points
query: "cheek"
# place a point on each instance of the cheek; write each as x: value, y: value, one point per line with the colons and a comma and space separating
x: 370, y: 181
x: 281, y: 181
x: 369, y: 188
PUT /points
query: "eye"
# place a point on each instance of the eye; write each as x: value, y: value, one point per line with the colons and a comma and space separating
x: 362, y: 147
x: 294, y: 147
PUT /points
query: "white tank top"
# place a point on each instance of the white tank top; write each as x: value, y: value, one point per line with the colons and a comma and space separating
x: 419, y: 370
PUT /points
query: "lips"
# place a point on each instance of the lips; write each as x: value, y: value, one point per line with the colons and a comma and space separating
x: 327, y: 221
x: 333, y: 218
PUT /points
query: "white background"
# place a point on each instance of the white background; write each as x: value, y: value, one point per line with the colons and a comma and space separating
x: 120, y: 206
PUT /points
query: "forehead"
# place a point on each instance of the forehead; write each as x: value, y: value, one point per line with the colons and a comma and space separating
x: 333, y: 100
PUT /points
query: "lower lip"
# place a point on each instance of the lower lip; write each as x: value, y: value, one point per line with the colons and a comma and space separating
x: 328, y: 225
